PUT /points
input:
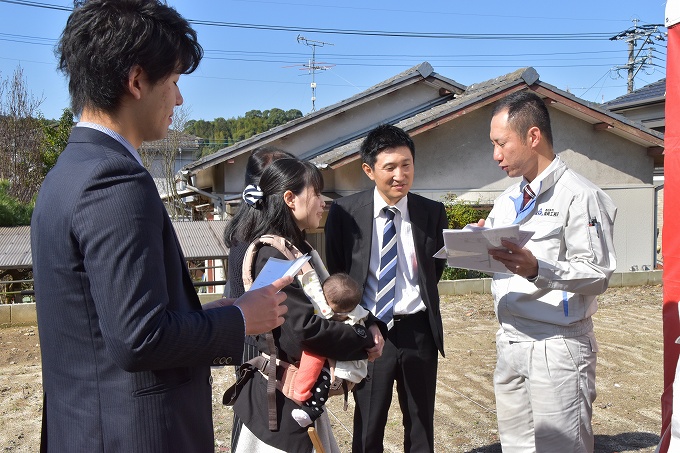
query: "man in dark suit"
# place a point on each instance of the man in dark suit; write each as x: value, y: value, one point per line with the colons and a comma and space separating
x: 126, y: 347
x: 361, y: 233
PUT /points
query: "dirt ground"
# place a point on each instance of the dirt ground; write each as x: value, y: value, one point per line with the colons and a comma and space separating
x: 626, y: 414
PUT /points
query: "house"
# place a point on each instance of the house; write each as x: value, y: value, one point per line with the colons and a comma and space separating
x: 647, y: 105
x: 449, y: 124
x: 164, y: 159
x: 175, y: 151
x: 201, y: 243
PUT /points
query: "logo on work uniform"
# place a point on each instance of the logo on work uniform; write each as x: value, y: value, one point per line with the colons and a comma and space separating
x: 548, y: 212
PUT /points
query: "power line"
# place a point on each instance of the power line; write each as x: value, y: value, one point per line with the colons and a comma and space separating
x: 37, y: 5
x: 401, y: 34
x: 438, y: 13
x: 636, y: 60
x: 405, y: 34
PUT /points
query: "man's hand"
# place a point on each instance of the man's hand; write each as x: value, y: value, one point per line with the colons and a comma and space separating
x: 375, y: 351
x: 516, y: 259
x: 263, y: 307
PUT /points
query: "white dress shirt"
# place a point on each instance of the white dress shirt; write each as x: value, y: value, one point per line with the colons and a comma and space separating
x: 407, y: 298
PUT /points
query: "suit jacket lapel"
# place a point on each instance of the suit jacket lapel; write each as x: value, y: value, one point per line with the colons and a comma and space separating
x: 364, y: 219
x: 419, y: 220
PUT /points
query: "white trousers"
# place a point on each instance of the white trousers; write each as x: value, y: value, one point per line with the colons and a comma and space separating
x: 544, y: 394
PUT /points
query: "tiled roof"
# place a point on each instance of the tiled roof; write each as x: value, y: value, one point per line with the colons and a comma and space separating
x: 418, y: 72
x: 653, y: 92
x: 475, y: 95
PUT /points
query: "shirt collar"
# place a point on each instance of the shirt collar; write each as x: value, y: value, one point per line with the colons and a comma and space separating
x: 379, y: 204
x: 114, y: 135
x: 536, y: 184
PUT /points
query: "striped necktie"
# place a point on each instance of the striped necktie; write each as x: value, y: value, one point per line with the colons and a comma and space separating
x: 387, y: 275
x: 527, y: 195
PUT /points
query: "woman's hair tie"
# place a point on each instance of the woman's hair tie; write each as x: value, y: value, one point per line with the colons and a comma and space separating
x: 253, y: 195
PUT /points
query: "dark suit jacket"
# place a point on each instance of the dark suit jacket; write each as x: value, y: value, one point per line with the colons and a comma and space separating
x: 349, y: 231
x: 126, y: 349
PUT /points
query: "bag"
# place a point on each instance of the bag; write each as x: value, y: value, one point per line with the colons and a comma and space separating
x: 286, y: 374
x: 244, y: 374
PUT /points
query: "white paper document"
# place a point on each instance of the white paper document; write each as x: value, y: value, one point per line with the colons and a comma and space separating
x: 469, y: 248
x: 276, y: 268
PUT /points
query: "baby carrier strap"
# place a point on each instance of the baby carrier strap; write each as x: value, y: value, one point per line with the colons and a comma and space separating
x: 281, y: 244
x: 287, y: 249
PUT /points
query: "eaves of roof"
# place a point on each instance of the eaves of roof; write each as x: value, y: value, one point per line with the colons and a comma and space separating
x: 15, y: 248
x: 408, y: 77
x: 202, y: 239
x: 484, y: 93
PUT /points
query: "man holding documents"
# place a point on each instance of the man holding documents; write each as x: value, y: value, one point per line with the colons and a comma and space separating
x: 385, y: 238
x: 126, y: 346
x: 545, y: 370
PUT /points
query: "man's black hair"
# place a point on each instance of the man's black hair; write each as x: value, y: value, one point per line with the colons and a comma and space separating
x: 104, y: 39
x: 383, y: 137
x: 526, y: 109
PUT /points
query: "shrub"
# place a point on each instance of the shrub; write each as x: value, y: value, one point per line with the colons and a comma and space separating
x: 12, y: 211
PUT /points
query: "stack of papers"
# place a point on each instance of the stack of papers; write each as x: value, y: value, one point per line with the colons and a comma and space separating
x: 469, y: 248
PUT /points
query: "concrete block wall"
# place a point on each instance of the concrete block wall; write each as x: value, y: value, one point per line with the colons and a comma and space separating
x: 24, y: 314
x: 17, y: 314
x: 483, y: 285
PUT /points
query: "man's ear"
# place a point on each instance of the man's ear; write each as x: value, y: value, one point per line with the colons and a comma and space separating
x: 368, y: 170
x: 534, y: 136
x: 136, y: 81
x: 289, y: 199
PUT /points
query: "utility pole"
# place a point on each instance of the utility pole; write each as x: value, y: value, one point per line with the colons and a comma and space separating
x: 313, y: 66
x: 636, y: 59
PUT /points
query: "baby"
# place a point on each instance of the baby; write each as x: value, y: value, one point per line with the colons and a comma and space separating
x: 313, y: 380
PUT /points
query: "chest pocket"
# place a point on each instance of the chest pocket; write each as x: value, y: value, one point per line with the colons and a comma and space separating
x: 547, y: 239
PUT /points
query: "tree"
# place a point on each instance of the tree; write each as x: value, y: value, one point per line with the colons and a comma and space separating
x: 159, y: 158
x: 220, y: 132
x: 20, y: 138
x: 55, y: 139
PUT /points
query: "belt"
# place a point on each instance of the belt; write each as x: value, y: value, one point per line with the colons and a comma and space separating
x: 398, y: 318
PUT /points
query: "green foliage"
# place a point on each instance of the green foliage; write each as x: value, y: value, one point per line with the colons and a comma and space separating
x: 55, y: 138
x: 458, y: 214
x: 221, y: 132
x: 12, y: 211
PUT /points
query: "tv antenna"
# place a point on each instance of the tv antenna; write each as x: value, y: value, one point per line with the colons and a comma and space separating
x: 314, y: 65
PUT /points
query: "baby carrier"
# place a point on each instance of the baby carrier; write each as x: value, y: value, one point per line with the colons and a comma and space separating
x: 280, y: 375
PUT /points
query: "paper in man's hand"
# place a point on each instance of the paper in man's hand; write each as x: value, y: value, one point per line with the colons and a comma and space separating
x: 276, y: 268
x: 469, y: 248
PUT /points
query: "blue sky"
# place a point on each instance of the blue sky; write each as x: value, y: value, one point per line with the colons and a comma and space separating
x: 250, y: 63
